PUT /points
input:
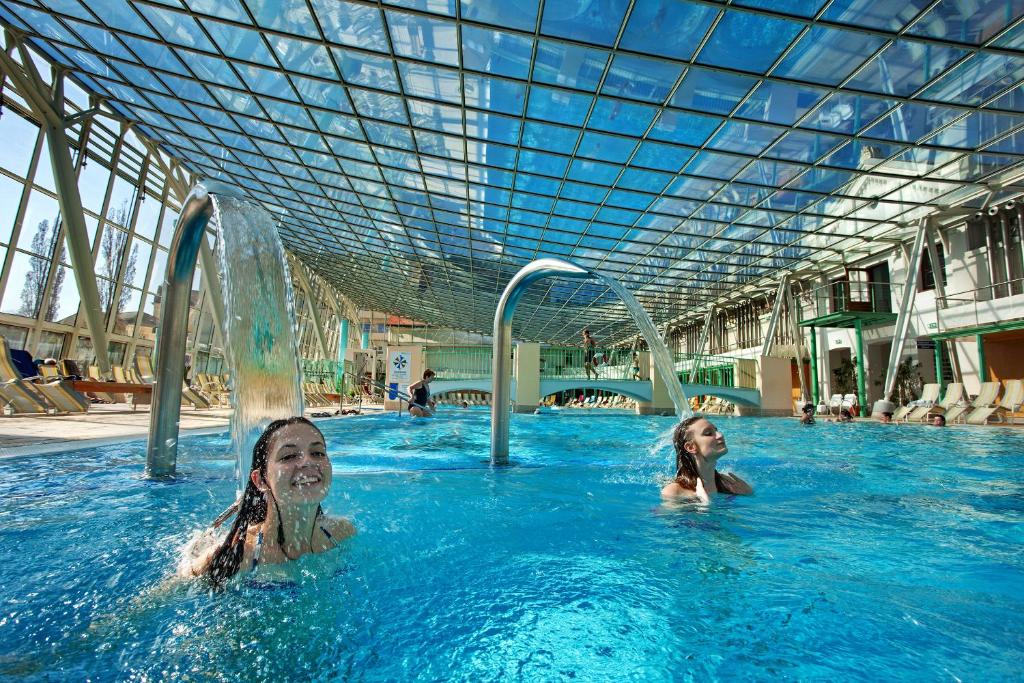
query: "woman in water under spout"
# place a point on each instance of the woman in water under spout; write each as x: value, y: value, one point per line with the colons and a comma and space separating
x: 279, y: 517
x: 699, y: 445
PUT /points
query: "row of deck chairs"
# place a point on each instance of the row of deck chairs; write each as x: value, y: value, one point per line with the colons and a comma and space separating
x: 457, y: 398
x: 836, y: 404
x: 615, y: 401
x: 316, y: 394
x: 955, y: 405
x: 29, y: 393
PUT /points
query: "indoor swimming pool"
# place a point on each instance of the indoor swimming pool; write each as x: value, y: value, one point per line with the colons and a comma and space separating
x: 868, y: 551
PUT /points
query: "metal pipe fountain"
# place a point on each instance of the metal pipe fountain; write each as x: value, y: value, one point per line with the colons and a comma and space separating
x: 162, y: 450
x: 501, y: 364
x: 501, y: 375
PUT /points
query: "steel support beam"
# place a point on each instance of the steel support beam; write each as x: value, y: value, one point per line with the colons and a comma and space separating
x: 982, y: 364
x: 907, y: 301
x: 861, y: 391
x: 702, y: 343
x: 814, y: 366
x: 939, y: 377
x: 798, y: 352
x: 773, y: 321
x: 314, y: 311
x: 49, y: 108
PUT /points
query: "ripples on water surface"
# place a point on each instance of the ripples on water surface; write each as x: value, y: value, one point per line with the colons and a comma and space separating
x: 869, y: 552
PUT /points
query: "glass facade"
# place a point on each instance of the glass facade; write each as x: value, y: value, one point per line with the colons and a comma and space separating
x: 130, y: 214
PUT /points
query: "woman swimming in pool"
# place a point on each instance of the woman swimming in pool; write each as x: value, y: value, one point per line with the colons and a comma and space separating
x: 699, y: 445
x: 279, y: 517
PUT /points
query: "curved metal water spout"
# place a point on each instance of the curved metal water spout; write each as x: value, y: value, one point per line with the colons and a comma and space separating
x: 162, y: 451
x: 501, y: 364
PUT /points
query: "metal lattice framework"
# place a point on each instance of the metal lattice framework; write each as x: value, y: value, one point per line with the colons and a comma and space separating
x: 419, y: 152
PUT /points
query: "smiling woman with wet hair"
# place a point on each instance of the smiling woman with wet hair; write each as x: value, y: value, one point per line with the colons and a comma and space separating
x: 699, y: 445
x: 279, y: 517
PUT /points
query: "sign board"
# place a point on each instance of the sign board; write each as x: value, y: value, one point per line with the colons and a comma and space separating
x: 399, y: 366
x: 932, y: 326
x: 926, y: 343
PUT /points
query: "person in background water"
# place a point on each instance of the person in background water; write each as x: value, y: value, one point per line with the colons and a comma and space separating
x: 420, y: 403
x: 278, y: 518
x: 886, y: 418
x: 807, y: 417
x: 939, y: 421
x: 699, y: 445
x: 589, y: 346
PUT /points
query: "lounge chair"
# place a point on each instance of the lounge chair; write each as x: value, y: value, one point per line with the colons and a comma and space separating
x: 26, y: 396
x: 1008, y: 404
x: 835, y: 404
x: 145, y: 368
x: 954, y: 395
x: 848, y: 402
x: 986, y: 398
x: 94, y: 374
x: 929, y: 395
x: 194, y: 396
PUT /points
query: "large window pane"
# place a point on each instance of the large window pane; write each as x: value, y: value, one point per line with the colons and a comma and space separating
x: 19, y: 138
x: 127, y: 311
x: 116, y: 351
x: 148, y: 322
x: 138, y: 263
x: 122, y: 200
x: 167, y: 229
x: 156, y: 280
x: 50, y: 345
x: 84, y: 353
x: 10, y: 197
x: 147, y: 223
x: 39, y: 227
x: 63, y: 305
x: 92, y: 184
x: 25, y: 285
x: 15, y: 336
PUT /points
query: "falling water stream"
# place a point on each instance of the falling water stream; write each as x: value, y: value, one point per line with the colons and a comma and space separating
x: 260, y: 341
x: 659, y: 351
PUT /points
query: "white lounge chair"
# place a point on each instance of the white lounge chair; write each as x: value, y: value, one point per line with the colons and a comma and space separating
x: 954, y: 396
x: 1008, y: 404
x: 986, y: 398
x: 929, y: 395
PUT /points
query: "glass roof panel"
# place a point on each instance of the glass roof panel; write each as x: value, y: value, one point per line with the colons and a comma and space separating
x: 290, y: 16
x: 559, y: 106
x: 573, y: 66
x: 640, y: 78
x: 497, y: 52
x: 521, y: 14
x: 968, y: 23
x: 584, y: 20
x: 828, y: 55
x: 666, y: 27
x: 715, y: 92
x: 748, y: 42
x: 426, y: 38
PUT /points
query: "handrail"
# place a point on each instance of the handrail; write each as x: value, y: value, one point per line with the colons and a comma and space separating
x: 162, y: 450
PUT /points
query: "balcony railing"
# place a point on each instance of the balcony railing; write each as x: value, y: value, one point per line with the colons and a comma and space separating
x: 847, y: 297
x: 334, y: 373
x: 994, y: 304
x: 567, y: 362
x: 459, y: 362
x: 716, y: 370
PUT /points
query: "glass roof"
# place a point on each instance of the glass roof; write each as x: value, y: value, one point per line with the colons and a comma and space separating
x: 419, y: 152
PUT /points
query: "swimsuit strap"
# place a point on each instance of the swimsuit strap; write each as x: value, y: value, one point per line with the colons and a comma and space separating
x: 330, y: 538
x: 259, y: 547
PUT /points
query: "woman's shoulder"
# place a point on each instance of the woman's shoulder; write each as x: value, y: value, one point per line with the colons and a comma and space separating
x: 339, y: 528
x: 676, y: 490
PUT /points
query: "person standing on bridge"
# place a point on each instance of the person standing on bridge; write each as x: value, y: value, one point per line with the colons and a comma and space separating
x: 589, y: 347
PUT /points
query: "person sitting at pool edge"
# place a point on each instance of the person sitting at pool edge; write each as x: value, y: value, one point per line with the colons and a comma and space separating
x: 699, y: 445
x: 939, y: 421
x: 420, y: 403
x: 279, y: 517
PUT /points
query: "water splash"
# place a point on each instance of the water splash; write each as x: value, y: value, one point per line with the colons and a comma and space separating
x: 659, y: 351
x: 260, y: 342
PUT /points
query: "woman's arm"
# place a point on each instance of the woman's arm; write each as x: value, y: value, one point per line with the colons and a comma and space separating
x: 339, y: 528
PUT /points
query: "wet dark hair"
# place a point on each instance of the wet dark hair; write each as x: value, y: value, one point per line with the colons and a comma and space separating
x: 429, y: 373
x: 251, y: 509
x: 808, y: 408
x: 687, y: 472
x: 940, y: 417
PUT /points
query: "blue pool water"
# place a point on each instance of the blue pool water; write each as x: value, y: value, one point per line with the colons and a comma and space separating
x: 868, y: 552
